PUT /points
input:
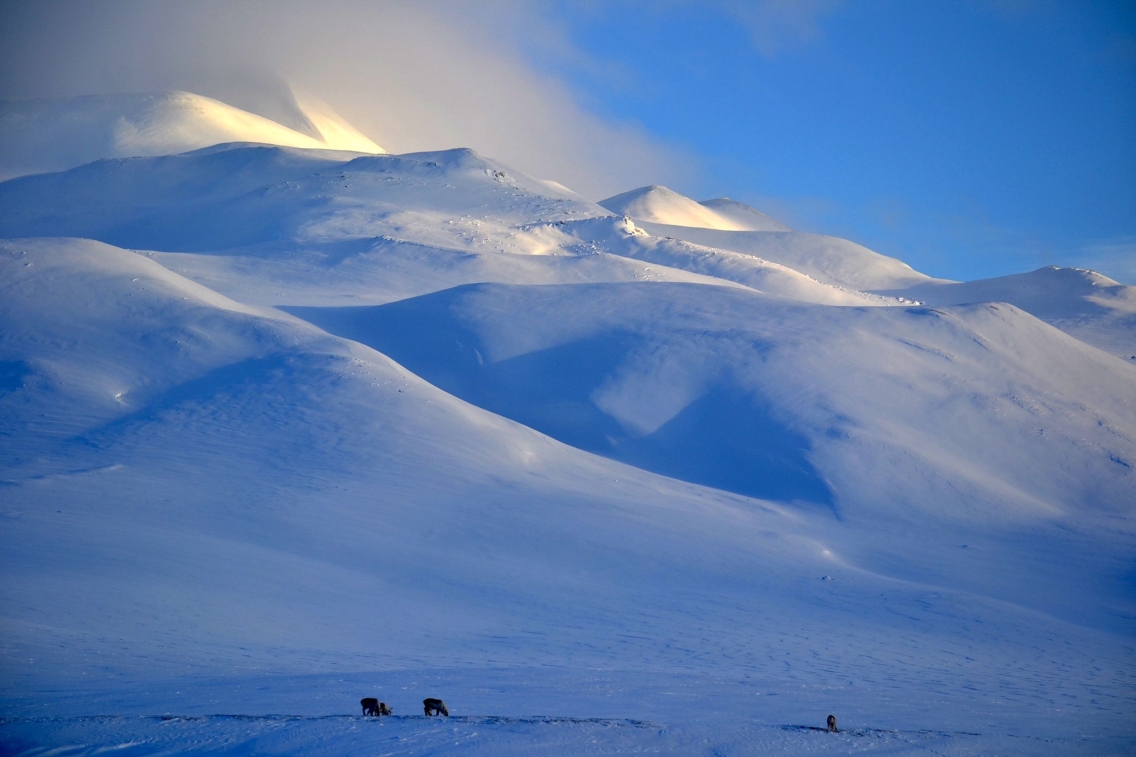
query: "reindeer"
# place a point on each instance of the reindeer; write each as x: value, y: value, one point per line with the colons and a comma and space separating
x: 372, y: 706
x: 435, y: 707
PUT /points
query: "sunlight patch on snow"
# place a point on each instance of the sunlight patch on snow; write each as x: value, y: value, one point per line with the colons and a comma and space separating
x: 335, y: 133
x: 661, y: 205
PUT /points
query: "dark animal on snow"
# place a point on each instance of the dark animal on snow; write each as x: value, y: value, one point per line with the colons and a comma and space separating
x: 372, y: 706
x: 832, y: 724
x: 435, y: 707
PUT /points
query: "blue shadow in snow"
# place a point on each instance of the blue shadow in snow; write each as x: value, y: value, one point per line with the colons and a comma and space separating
x: 727, y: 439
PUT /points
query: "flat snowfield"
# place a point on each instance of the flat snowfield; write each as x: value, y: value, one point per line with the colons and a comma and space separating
x: 660, y: 713
x: 284, y: 428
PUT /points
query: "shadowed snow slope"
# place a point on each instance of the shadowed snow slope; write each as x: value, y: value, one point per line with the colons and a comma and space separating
x: 51, y: 135
x: 852, y: 409
x: 658, y: 471
x: 1091, y: 307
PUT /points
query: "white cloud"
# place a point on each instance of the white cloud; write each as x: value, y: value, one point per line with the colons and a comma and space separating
x: 411, y: 75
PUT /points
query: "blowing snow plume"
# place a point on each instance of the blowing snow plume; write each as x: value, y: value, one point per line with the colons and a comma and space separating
x: 37, y: 136
x: 411, y: 76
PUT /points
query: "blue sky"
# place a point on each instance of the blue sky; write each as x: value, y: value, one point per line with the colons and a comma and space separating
x: 970, y: 139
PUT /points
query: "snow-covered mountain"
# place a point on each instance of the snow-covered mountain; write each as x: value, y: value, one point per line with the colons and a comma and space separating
x: 284, y: 426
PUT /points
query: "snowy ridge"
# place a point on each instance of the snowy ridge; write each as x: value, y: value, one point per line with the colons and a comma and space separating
x: 1091, y: 307
x: 284, y: 427
x: 828, y: 259
x: 227, y: 197
x: 623, y: 237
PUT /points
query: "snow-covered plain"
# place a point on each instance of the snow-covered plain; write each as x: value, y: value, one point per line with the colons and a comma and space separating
x: 283, y: 427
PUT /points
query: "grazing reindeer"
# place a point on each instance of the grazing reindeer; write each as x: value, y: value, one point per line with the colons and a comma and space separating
x: 832, y: 724
x: 372, y: 706
x: 435, y: 707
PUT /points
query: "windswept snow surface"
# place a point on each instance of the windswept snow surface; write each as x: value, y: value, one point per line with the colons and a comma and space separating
x: 831, y: 260
x: 621, y: 236
x: 52, y: 135
x: 1091, y: 307
x: 283, y: 428
x: 726, y: 225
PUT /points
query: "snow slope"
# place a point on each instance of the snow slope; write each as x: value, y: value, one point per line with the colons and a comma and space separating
x: 338, y: 426
x: 715, y: 223
x: 827, y: 259
x: 655, y: 352
x: 662, y: 205
x: 51, y: 135
x: 800, y: 404
x: 623, y: 237
x: 1085, y: 304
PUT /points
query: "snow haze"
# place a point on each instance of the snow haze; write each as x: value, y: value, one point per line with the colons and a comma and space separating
x: 412, y: 76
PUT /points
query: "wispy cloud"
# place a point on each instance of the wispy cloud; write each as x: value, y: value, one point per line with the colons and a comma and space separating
x: 775, y: 26
x: 1115, y: 258
x: 411, y: 75
x: 780, y: 25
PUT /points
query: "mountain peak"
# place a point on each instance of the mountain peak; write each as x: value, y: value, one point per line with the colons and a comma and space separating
x: 659, y: 204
